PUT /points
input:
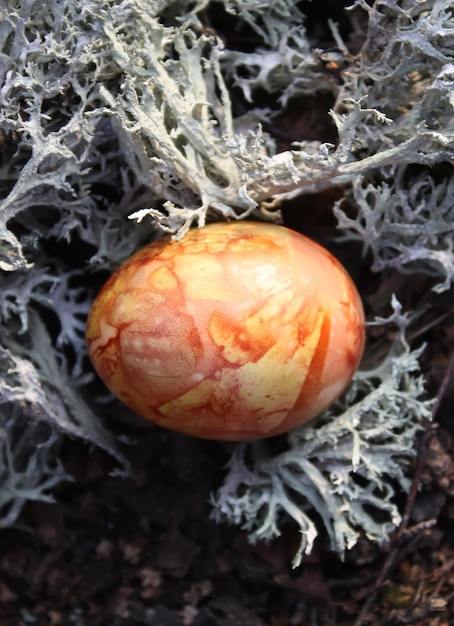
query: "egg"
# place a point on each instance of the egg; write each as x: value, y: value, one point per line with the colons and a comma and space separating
x: 239, y: 331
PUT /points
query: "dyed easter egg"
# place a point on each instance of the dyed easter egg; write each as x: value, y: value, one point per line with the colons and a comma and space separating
x: 239, y: 331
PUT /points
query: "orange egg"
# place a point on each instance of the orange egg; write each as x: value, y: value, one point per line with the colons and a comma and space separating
x: 239, y: 331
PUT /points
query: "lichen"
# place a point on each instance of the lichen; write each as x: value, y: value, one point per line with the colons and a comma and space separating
x: 407, y: 223
x: 139, y: 109
x: 343, y: 467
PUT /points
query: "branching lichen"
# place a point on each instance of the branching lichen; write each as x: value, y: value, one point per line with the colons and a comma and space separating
x: 110, y: 110
x: 29, y: 465
x: 407, y: 222
x: 343, y: 467
x: 190, y: 137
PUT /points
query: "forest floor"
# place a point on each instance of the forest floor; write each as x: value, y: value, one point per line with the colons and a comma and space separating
x: 144, y: 550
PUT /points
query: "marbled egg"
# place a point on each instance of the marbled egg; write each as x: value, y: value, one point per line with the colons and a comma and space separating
x: 239, y: 331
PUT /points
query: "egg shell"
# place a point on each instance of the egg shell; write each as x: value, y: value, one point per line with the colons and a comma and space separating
x: 239, y: 331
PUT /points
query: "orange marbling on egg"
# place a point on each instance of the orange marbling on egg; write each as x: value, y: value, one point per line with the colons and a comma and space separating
x: 239, y: 331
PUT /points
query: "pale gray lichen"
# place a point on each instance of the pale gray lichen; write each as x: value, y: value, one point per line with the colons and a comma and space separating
x: 29, y: 463
x: 215, y: 169
x: 343, y: 467
x: 407, y: 222
x: 119, y: 109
